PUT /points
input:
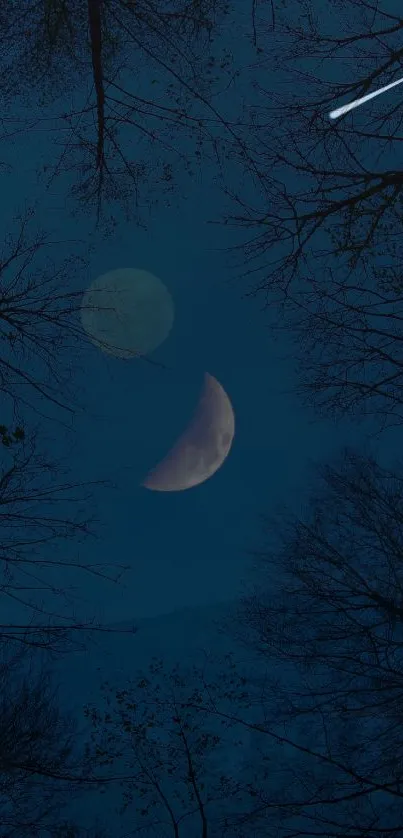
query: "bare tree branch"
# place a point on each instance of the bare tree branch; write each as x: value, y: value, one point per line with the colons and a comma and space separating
x: 326, y: 252
x: 39, y: 751
x: 325, y: 613
x: 173, y: 41
x: 174, y: 784
x: 32, y: 532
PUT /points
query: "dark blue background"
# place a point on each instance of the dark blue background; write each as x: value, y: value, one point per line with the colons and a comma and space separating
x: 185, y: 548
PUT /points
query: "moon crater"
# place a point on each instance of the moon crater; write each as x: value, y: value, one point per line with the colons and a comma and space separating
x: 202, y: 448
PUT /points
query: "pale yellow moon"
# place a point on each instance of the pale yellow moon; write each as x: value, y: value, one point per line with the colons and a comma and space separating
x: 203, y: 446
x: 127, y: 312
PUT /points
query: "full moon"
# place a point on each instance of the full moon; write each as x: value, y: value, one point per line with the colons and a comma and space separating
x: 127, y: 312
x: 203, y: 446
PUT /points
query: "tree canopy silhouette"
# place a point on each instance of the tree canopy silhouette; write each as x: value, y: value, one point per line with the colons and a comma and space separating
x: 169, y: 762
x: 140, y: 75
x: 40, y: 331
x: 326, y: 250
x: 324, y: 611
x: 39, y: 513
x: 42, y: 766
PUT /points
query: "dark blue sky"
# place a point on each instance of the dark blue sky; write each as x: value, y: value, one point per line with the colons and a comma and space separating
x: 185, y: 548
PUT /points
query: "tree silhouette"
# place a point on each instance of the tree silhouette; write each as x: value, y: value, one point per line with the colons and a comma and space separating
x: 326, y: 251
x: 41, y: 335
x: 38, y: 513
x: 58, y: 49
x: 325, y: 613
x: 40, y: 332
x: 173, y: 782
x: 39, y: 752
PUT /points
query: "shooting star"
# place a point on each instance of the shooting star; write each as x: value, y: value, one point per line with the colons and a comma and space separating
x: 357, y: 102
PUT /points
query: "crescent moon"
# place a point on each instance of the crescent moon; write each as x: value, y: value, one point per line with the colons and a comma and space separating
x: 203, y: 446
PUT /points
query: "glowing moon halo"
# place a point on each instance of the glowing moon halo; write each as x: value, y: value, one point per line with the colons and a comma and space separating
x: 127, y: 312
x: 202, y: 448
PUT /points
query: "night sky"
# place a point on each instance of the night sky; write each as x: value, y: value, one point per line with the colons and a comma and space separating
x: 186, y: 548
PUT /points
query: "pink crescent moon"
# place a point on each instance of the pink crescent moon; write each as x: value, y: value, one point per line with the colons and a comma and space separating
x: 203, y: 446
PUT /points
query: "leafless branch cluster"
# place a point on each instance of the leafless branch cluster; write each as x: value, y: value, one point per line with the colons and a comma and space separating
x: 326, y: 251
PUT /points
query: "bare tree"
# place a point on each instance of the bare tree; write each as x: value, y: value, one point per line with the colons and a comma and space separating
x: 326, y: 252
x: 42, y: 767
x: 134, y: 65
x: 40, y: 332
x: 41, y: 335
x: 39, y: 512
x: 175, y: 784
x: 325, y: 613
